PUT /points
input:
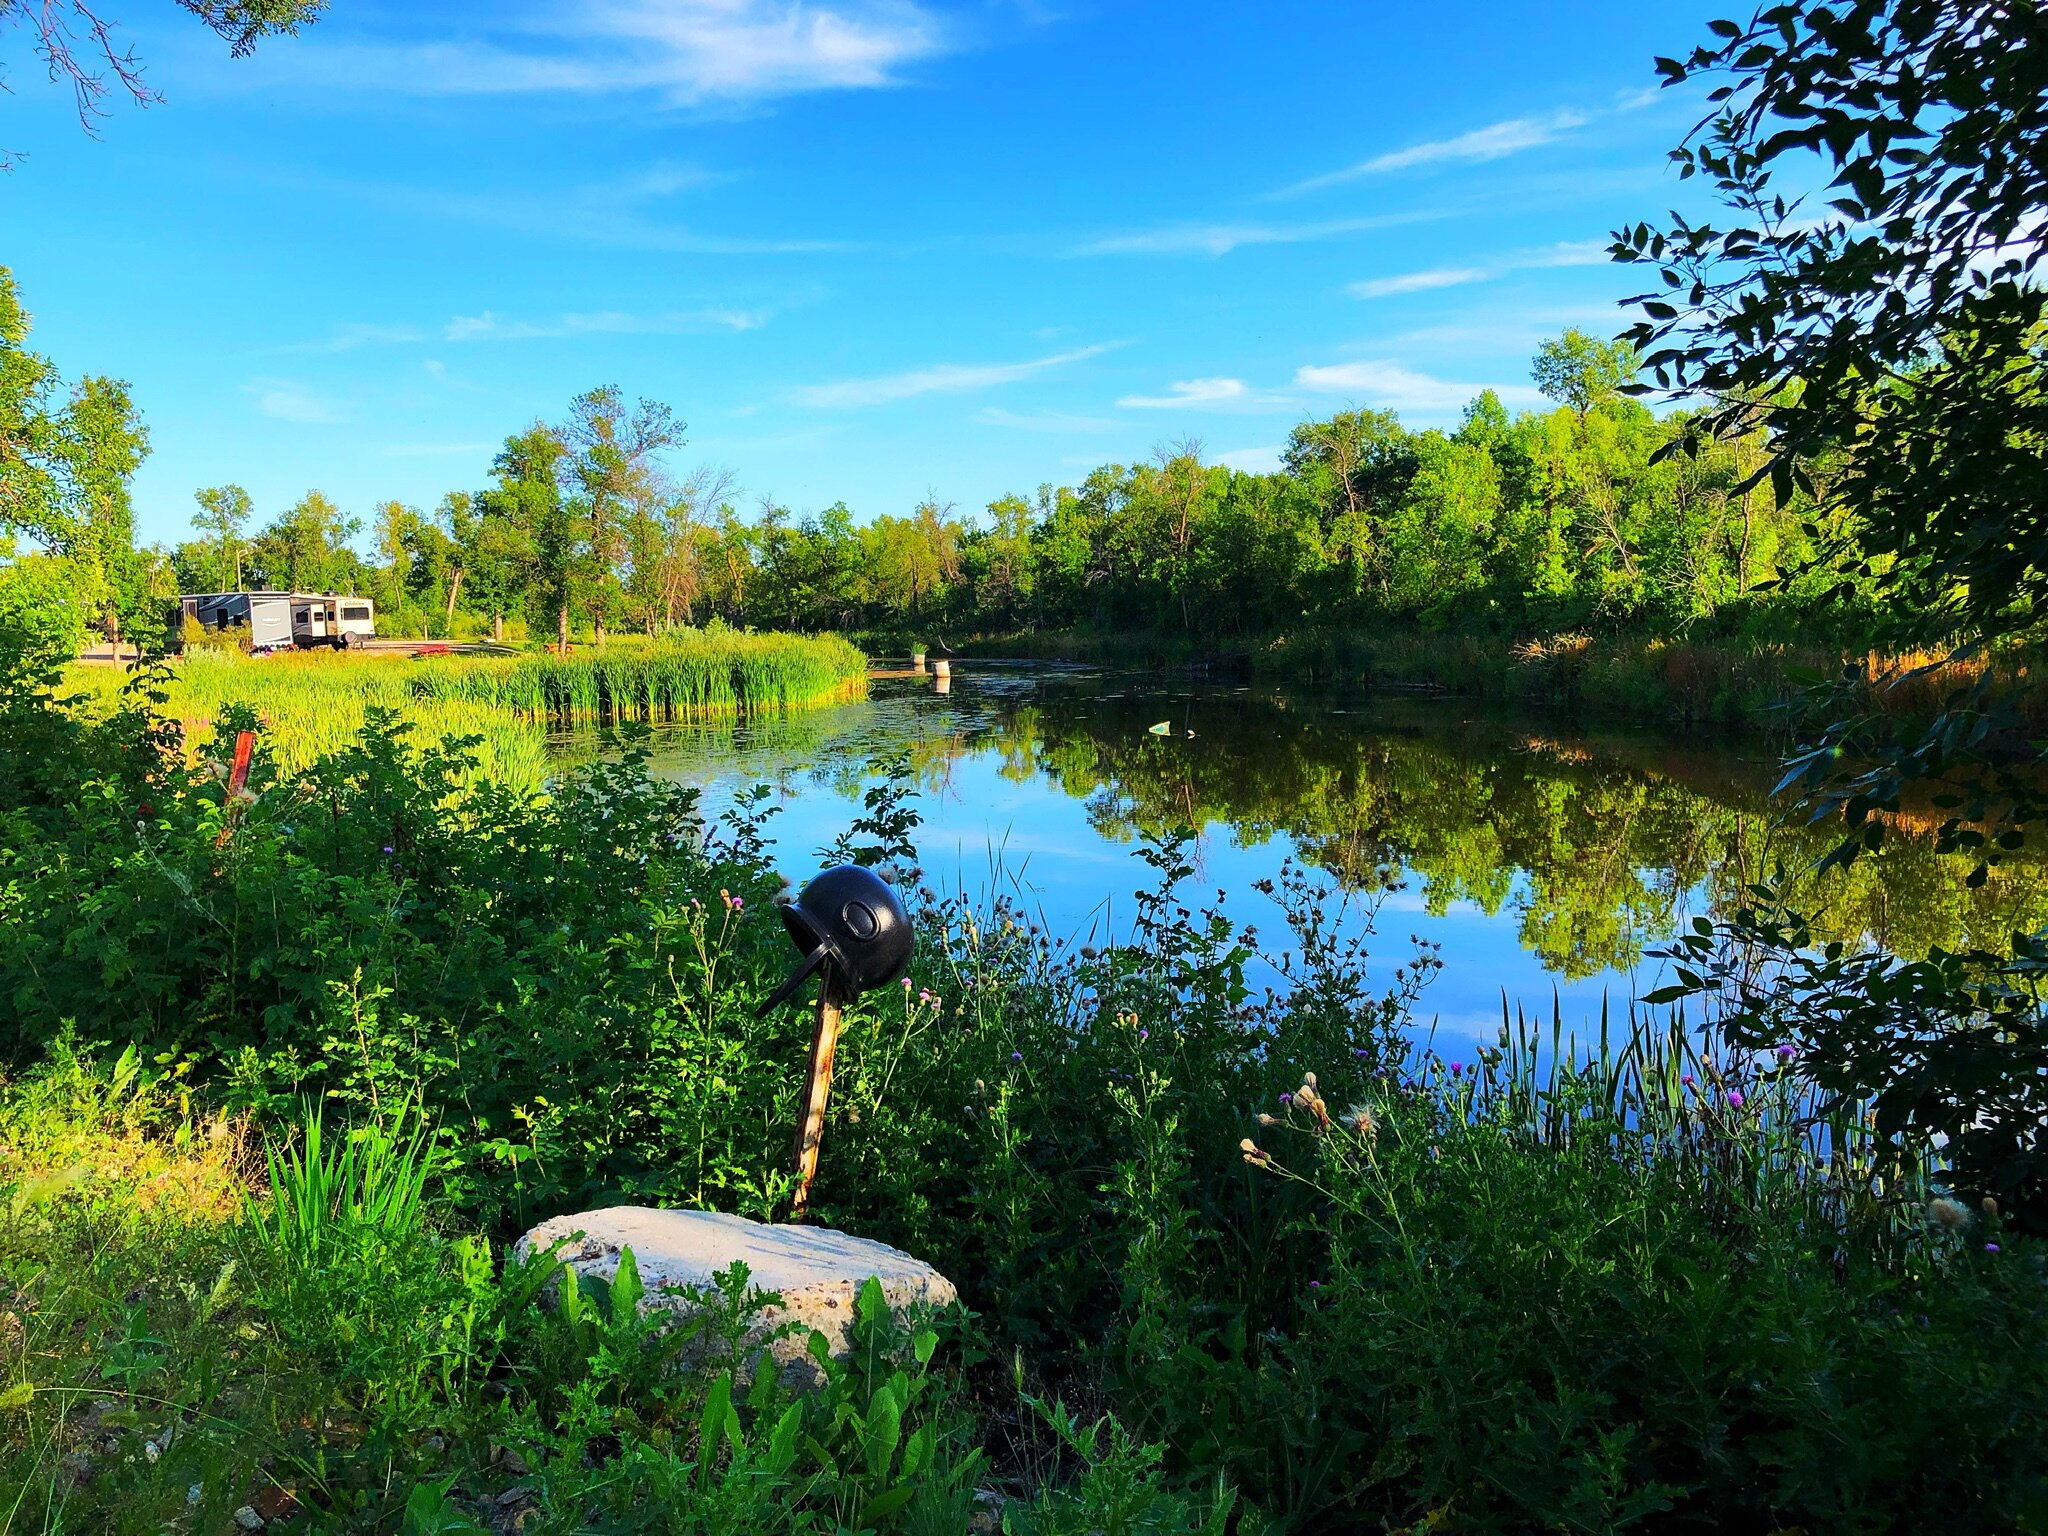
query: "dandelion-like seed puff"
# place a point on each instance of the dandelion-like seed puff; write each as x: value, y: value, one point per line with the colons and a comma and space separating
x: 1359, y: 1120
x: 1949, y: 1215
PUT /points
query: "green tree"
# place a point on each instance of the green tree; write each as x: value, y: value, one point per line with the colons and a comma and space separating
x: 224, y: 511
x: 532, y: 531
x: 612, y: 465
x: 65, y: 471
x: 1898, y: 339
x: 307, y: 549
x: 1581, y: 371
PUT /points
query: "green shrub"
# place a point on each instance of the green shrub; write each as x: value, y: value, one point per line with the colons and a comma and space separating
x: 1543, y: 1292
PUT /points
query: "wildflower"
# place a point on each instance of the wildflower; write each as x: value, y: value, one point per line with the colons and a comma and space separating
x: 1735, y: 1098
x: 387, y: 847
x: 924, y: 995
x: 1787, y: 1052
x: 1358, y: 1119
x: 1089, y: 951
x: 1991, y: 1247
x: 1266, y: 1119
x: 1287, y: 1100
x: 1686, y: 1081
x: 1457, y: 1067
x: 906, y: 983
x: 1360, y: 1052
x: 1252, y: 1153
x: 1144, y: 1034
x: 1949, y: 1215
x: 1016, y: 1055
x: 1315, y: 1285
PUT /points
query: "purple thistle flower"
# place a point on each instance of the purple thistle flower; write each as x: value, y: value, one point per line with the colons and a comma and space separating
x: 1686, y: 1081
x: 1286, y: 1098
x: 387, y: 847
x: 1144, y: 1034
x: 1457, y: 1067
x: 1315, y: 1285
x: 1016, y: 1055
x: 1991, y: 1247
x: 1735, y: 1098
x: 1787, y: 1051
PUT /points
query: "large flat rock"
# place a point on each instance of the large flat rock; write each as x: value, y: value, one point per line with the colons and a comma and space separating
x: 818, y: 1272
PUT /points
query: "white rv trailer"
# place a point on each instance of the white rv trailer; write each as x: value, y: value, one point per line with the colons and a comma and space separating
x: 265, y: 616
x: 324, y: 618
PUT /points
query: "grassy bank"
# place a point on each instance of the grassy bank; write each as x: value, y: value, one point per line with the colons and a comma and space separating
x: 1625, y: 678
x: 313, y: 704
x: 1277, y: 1260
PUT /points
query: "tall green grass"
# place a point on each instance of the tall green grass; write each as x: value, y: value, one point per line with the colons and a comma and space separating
x: 703, y: 676
x: 313, y: 704
x: 1743, y: 1128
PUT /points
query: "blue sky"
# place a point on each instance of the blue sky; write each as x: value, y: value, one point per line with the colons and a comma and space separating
x: 869, y: 251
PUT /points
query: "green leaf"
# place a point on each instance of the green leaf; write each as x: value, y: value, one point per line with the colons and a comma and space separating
x: 920, y: 1450
x: 717, y: 1409
x: 626, y: 1289
x: 781, y: 1452
x: 884, y: 1429
x: 883, y: 1505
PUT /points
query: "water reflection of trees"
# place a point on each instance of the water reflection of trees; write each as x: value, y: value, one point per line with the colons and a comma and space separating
x: 1601, y: 848
x: 1598, y: 848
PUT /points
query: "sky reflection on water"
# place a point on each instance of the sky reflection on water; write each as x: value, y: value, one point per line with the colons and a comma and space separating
x: 1545, y: 862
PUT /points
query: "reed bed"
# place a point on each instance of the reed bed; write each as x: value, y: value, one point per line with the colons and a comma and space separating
x: 1745, y: 1128
x: 314, y: 704
x: 703, y: 677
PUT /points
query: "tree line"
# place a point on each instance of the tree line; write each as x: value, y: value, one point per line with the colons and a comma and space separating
x: 1574, y: 516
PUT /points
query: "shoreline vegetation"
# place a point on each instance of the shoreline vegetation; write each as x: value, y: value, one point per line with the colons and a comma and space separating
x: 1753, y: 687
x: 308, y: 706
x: 1237, y: 1261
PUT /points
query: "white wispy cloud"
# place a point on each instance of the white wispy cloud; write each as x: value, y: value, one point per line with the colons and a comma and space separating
x: 940, y: 378
x: 1044, y: 421
x: 1190, y: 392
x: 491, y: 326
x: 1492, y: 142
x: 687, y: 51
x: 1417, y: 282
x: 1575, y: 253
x: 1495, y: 141
x: 1395, y: 386
x: 1221, y: 239
x: 283, y: 400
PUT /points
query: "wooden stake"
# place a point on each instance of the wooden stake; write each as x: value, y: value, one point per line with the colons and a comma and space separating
x: 810, y: 1109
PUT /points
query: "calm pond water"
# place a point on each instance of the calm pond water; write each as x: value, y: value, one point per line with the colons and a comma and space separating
x: 1545, y: 860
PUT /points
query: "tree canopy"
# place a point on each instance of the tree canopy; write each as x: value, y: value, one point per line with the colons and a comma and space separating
x: 1874, y: 300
